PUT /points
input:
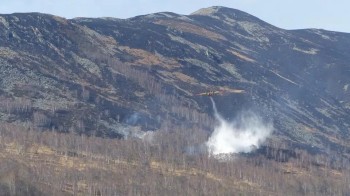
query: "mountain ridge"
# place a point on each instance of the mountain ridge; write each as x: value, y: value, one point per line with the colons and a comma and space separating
x: 121, y: 68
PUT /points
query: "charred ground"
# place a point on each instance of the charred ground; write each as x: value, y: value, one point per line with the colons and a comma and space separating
x: 116, y: 78
x: 58, y: 69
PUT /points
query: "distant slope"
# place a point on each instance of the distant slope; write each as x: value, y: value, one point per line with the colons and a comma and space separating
x: 111, y: 77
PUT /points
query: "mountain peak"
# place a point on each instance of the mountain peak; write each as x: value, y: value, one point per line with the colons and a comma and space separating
x: 220, y: 11
x: 207, y: 11
x: 228, y: 14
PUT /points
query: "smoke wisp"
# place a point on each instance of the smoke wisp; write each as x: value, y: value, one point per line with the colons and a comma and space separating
x: 243, y: 134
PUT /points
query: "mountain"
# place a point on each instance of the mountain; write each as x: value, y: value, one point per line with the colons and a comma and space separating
x: 114, y: 78
x: 111, y: 77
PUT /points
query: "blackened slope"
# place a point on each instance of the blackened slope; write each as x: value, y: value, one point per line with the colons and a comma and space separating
x: 114, y: 76
x: 50, y: 78
x: 297, y: 78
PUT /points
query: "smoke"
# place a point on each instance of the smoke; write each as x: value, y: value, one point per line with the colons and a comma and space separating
x: 133, y: 119
x: 244, y: 134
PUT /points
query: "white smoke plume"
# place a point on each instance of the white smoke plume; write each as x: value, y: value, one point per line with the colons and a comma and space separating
x: 243, y: 134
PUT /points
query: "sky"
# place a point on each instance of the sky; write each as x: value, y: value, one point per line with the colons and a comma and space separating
x: 288, y: 14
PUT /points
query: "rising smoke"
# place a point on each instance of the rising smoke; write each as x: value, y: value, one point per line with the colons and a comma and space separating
x: 243, y: 134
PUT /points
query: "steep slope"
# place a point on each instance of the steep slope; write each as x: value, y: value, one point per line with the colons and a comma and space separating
x: 289, y: 75
x: 112, y: 77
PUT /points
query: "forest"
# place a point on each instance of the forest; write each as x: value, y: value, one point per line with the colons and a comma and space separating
x: 160, y: 163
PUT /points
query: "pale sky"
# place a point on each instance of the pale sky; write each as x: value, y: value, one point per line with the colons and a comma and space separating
x: 289, y: 14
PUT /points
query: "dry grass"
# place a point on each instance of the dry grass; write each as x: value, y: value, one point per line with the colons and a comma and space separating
x: 146, y: 58
x: 7, y: 53
x: 190, y: 28
x: 57, y: 161
x: 185, y: 78
x: 61, y: 20
x: 124, y: 165
x: 241, y: 56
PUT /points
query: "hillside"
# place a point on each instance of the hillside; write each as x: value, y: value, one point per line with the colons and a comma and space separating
x: 121, y: 78
x: 50, y: 163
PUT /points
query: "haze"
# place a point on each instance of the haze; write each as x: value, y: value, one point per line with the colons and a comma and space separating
x: 289, y: 14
